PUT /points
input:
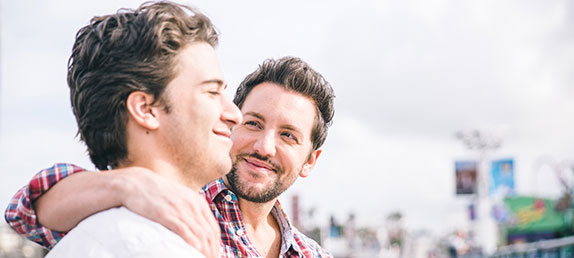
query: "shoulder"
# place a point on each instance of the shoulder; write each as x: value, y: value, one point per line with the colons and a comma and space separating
x: 308, y: 246
x: 124, y: 234
x: 300, y: 242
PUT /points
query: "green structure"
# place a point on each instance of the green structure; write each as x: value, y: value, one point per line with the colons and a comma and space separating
x: 530, y: 219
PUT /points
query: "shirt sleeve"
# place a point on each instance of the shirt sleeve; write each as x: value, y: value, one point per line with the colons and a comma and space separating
x: 20, y: 213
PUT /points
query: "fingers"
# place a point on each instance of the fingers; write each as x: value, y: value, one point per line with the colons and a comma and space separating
x: 198, y: 236
x: 203, y: 225
x: 212, y: 231
x: 192, y: 231
x: 191, y: 218
x: 188, y: 236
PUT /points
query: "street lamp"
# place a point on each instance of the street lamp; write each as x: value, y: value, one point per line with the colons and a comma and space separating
x: 485, y: 227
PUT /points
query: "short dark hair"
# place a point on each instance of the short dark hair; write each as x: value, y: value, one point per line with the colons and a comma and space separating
x: 294, y: 74
x: 117, y: 54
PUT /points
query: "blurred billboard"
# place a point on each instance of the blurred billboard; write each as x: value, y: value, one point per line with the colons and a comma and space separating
x: 502, y: 177
x: 466, y: 176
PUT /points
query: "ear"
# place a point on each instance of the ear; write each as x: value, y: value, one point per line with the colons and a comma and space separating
x: 141, y: 110
x: 308, y: 166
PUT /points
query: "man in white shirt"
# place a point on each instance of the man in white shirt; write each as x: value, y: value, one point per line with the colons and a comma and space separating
x: 147, y: 92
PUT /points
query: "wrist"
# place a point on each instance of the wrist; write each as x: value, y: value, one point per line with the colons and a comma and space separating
x: 119, y: 186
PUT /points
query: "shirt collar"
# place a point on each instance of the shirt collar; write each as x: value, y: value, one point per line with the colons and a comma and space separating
x: 217, y: 188
x: 214, y: 188
x: 287, y: 232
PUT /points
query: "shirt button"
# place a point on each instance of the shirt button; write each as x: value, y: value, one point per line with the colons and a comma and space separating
x: 228, y: 198
x: 239, y: 232
x: 235, y: 238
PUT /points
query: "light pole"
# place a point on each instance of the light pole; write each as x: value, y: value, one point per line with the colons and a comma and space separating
x: 485, y: 228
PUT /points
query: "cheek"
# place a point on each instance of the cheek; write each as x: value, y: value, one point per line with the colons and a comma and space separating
x: 238, y: 139
x: 289, y: 158
x: 234, y: 150
x: 204, y: 110
x: 300, y: 157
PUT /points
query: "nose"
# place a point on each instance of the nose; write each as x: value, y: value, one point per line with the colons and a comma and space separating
x: 231, y: 114
x: 265, y: 144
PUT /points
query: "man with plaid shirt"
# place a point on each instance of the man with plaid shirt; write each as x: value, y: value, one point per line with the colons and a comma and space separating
x: 286, y: 108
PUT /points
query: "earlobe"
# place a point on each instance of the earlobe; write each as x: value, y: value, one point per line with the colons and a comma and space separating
x: 308, y: 166
x: 141, y: 110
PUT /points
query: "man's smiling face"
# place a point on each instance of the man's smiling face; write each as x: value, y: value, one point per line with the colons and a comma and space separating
x: 272, y: 146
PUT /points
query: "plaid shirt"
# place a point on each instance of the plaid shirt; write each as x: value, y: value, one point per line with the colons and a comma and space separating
x: 234, y: 241
x: 20, y: 213
x: 21, y: 216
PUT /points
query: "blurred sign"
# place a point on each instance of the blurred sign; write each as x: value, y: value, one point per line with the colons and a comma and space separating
x: 502, y: 175
x: 466, y: 175
x: 531, y: 214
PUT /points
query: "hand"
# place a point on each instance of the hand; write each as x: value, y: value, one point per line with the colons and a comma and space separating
x: 170, y: 204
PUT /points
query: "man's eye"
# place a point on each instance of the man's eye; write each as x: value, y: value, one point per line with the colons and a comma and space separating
x: 252, y: 124
x: 290, y: 136
x: 215, y: 93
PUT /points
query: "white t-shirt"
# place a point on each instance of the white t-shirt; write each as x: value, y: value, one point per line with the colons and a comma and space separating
x: 118, y: 232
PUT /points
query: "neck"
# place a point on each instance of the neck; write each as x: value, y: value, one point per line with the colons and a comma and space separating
x: 257, y: 215
x: 261, y: 228
x: 162, y: 167
x: 145, y: 150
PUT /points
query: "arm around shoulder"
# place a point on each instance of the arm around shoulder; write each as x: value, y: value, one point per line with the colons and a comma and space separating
x: 20, y: 213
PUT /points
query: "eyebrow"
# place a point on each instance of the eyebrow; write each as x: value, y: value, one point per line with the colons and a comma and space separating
x: 255, y: 114
x: 293, y: 129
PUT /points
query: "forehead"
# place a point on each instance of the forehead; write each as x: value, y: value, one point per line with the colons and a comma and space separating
x: 281, y: 107
x: 198, y: 62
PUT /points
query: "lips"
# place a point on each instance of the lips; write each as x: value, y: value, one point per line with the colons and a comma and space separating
x: 223, y: 133
x: 259, y: 164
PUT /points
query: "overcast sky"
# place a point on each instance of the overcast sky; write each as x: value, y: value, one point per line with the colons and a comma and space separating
x: 407, y: 75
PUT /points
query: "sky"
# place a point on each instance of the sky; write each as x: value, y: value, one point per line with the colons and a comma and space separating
x: 407, y: 75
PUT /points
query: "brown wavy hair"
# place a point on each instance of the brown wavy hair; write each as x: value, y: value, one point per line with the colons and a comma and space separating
x: 294, y: 74
x: 117, y: 54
